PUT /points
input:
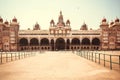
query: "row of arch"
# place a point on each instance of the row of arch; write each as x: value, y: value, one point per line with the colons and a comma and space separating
x: 45, y: 41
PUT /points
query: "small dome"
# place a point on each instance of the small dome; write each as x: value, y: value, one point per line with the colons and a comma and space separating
x: 116, y: 20
x: 36, y: 27
x: 28, y: 28
x: 36, y: 24
x: 68, y: 21
x: 91, y: 29
x: 111, y: 23
x: 6, y: 22
x: 1, y: 20
x: 14, y: 19
x: 104, y: 20
x: 52, y: 22
x: 84, y: 27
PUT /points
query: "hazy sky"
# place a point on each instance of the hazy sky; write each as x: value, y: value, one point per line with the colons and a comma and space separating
x: 28, y: 12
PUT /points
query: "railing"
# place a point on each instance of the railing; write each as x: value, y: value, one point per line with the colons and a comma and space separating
x: 12, y: 56
x: 113, y: 61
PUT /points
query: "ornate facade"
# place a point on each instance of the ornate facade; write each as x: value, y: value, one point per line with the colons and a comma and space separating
x: 9, y: 35
x: 60, y: 36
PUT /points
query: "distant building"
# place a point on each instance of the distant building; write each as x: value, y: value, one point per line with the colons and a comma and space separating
x: 60, y: 36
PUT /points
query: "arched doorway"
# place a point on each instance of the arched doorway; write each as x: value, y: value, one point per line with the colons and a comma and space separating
x: 68, y: 44
x: 96, y: 43
x: 44, y: 42
x: 60, y: 44
x: 52, y: 44
x: 23, y: 42
x: 34, y: 42
x: 85, y: 41
x: 75, y: 41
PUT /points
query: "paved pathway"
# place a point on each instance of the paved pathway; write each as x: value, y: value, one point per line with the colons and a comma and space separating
x: 56, y: 66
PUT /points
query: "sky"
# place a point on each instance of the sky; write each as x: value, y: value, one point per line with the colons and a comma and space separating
x: 28, y: 12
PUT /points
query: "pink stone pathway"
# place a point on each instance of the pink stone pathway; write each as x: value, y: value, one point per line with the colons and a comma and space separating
x: 56, y: 66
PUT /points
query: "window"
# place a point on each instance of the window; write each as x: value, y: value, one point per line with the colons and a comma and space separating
x: 105, y: 44
x: 105, y: 34
x: 52, y: 31
x: 60, y: 31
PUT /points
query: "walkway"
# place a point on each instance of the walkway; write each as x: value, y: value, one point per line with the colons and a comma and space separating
x: 56, y: 66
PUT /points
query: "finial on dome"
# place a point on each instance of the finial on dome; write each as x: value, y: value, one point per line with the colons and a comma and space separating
x: 68, y: 21
x: 60, y: 12
x: 36, y: 22
x: 52, y: 21
x: 84, y: 22
x: 6, y: 22
x: 14, y: 19
x: 116, y: 20
x: 1, y: 20
x: 111, y: 23
x: 104, y: 19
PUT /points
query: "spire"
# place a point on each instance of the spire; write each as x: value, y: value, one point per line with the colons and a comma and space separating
x: 60, y: 20
x: 60, y: 12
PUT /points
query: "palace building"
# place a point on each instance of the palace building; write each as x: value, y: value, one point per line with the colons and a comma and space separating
x: 60, y: 36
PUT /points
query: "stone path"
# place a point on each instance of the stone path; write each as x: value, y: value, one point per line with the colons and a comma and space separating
x: 56, y: 66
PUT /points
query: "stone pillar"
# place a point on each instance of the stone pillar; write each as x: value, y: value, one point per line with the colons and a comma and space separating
x: 81, y: 43
x: 65, y: 44
x: 90, y: 43
x: 54, y: 44
x: 29, y: 44
x: 70, y: 44
x: 28, y: 41
x: 50, y: 46
x: 39, y: 43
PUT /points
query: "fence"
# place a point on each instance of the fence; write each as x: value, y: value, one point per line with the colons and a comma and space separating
x: 101, y: 58
x: 12, y: 56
